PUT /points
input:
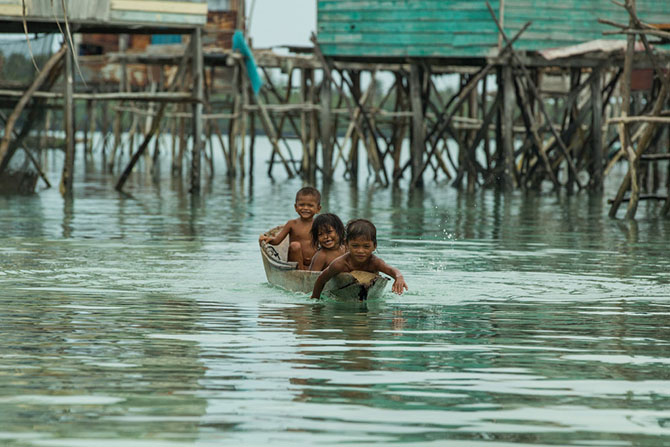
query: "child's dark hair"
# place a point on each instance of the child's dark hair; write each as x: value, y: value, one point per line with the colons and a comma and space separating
x: 361, y: 228
x: 309, y: 191
x: 322, y: 222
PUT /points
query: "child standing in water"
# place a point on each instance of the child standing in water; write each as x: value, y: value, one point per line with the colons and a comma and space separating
x: 361, y: 241
x: 301, y: 250
x: 328, y: 237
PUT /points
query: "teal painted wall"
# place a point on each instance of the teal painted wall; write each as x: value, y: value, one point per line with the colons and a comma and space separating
x: 559, y: 23
x: 463, y: 28
x: 421, y: 28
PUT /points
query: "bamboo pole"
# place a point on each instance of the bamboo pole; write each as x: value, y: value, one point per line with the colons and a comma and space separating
x: 68, y: 113
x: 25, y: 98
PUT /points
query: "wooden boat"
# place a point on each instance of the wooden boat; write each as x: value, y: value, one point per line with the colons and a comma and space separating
x: 354, y: 286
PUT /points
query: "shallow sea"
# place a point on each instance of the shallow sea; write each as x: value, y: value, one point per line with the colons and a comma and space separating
x: 144, y: 319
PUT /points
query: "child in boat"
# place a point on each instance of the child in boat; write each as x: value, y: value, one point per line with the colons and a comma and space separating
x: 361, y: 241
x: 328, y: 236
x: 301, y: 250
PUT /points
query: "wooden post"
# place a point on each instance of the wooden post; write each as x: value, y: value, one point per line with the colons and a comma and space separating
x: 418, y: 129
x: 356, y: 93
x: 303, y: 123
x: 234, y: 122
x: 313, y: 128
x: 47, y: 71
x: 623, y: 128
x: 573, y: 114
x: 197, y: 66
x: 177, y: 162
x: 89, y: 111
x: 123, y: 83
x: 399, y: 127
x: 68, y: 115
x: 597, y: 130
x: 252, y: 143
x: 472, y: 172
x: 507, y: 127
x: 244, y: 119
x: 326, y: 130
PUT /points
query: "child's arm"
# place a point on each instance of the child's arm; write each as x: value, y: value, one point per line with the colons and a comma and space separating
x: 399, y: 285
x: 278, y: 237
x: 333, y: 269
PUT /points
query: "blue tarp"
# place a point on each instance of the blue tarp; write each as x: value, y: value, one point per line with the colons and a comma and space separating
x: 239, y: 44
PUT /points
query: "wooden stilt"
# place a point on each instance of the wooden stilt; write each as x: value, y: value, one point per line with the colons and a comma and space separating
x: 33, y: 160
x: 197, y: 67
x: 326, y: 133
x: 597, y: 130
x: 156, y: 121
x: 244, y: 119
x: 418, y: 131
x: 355, y: 77
x: 68, y: 113
x: 508, y: 180
x: 47, y: 71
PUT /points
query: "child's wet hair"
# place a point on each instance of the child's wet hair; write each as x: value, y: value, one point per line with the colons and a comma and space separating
x: 358, y: 228
x: 322, y: 222
x: 309, y: 191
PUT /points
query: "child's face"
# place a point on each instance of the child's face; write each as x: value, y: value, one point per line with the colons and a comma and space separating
x: 306, y: 206
x: 328, y: 238
x: 361, y: 248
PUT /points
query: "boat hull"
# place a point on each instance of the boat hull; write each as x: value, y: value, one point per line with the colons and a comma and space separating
x: 354, y: 286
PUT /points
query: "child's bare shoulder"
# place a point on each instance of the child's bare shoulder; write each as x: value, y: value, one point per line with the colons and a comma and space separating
x: 290, y: 224
x: 341, y: 263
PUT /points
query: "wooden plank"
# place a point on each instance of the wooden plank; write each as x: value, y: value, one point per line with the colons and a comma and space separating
x: 363, y: 27
x: 171, y: 7
x: 386, y: 5
x: 157, y: 17
x: 11, y: 10
x: 76, y: 9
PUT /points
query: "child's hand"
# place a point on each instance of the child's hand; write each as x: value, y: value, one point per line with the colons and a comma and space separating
x: 399, y: 285
x: 263, y: 238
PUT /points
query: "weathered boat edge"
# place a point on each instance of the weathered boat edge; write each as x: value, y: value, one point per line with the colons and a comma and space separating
x: 344, y: 287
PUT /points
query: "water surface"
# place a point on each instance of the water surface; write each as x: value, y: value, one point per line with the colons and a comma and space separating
x: 144, y: 319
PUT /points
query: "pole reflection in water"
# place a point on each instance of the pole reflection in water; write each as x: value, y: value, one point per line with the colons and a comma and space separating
x: 145, y: 319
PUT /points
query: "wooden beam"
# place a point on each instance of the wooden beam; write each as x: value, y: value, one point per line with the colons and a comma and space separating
x: 25, y: 98
x: 171, y: 7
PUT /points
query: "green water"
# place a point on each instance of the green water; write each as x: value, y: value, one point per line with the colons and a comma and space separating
x: 145, y: 320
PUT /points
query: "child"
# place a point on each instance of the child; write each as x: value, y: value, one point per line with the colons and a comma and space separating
x: 361, y: 241
x: 307, y: 204
x: 328, y: 237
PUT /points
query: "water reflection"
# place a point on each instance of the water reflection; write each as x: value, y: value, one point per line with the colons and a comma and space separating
x: 145, y: 319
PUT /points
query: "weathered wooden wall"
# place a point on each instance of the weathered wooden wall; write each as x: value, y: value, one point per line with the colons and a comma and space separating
x: 402, y: 28
x: 558, y: 23
x: 464, y: 28
x: 171, y: 12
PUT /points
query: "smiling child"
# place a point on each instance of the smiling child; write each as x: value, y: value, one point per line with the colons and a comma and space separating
x: 361, y: 242
x: 301, y: 250
x: 328, y: 236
